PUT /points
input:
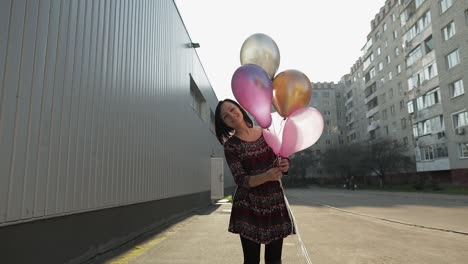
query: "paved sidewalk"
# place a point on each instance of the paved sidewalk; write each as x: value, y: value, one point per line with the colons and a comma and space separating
x: 201, y: 238
x: 350, y: 230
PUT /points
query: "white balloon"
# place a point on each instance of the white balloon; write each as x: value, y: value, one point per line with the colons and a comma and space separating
x: 260, y: 49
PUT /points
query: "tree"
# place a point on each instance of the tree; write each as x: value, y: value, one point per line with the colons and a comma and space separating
x: 347, y: 160
x: 385, y: 156
x: 299, y: 164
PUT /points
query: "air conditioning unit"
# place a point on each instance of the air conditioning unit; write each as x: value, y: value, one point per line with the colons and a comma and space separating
x: 459, y: 131
x: 440, y: 134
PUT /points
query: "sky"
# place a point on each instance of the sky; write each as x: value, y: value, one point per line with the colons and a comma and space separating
x: 322, y: 39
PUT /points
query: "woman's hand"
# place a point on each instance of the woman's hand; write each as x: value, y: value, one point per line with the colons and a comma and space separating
x: 274, y: 174
x: 283, y: 165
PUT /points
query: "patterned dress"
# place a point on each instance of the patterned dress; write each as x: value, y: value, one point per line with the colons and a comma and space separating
x: 258, y: 213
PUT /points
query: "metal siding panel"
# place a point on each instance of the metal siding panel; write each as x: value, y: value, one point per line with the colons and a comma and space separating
x: 96, y: 179
x: 8, y: 114
x: 110, y: 133
x: 18, y: 174
x: 118, y: 161
x: 112, y: 82
x: 37, y: 90
x: 88, y: 165
x: 5, y: 13
x: 8, y: 105
x: 56, y: 109
x: 66, y: 151
x: 72, y: 198
x: 101, y: 171
x: 123, y: 105
x: 81, y: 191
x: 46, y: 112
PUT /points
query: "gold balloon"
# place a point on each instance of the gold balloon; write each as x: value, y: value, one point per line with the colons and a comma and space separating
x: 292, y: 90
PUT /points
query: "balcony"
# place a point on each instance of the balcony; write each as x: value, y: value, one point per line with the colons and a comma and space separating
x: 372, y: 111
x: 418, y: 39
x: 433, y: 165
x: 350, y: 99
x: 426, y: 113
x: 370, y: 97
x: 373, y: 126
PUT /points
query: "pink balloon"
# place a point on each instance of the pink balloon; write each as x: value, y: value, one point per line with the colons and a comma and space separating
x: 273, y: 134
x: 302, y: 129
x: 253, y: 89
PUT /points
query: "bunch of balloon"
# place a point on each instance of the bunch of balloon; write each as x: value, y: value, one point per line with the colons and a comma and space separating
x: 294, y: 126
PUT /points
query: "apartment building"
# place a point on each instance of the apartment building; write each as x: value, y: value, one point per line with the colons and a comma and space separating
x: 329, y: 99
x: 408, y: 84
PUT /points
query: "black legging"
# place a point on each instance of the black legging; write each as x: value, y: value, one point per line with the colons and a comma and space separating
x: 252, y: 251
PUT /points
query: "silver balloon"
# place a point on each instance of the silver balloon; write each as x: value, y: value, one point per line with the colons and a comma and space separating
x: 261, y: 50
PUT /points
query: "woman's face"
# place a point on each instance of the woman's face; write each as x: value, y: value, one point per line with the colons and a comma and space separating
x: 231, y: 115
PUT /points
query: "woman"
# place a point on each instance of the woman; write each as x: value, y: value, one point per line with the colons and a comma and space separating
x: 259, y: 212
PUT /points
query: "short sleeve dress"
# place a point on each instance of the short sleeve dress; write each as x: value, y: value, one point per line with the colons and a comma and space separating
x: 258, y: 213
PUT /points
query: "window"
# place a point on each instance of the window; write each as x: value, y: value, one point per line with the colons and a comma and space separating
x: 428, y: 44
x: 212, y: 127
x: 386, y: 130
x: 390, y: 76
x: 464, y: 150
x: 448, y: 31
x: 326, y: 94
x: 380, y: 66
x: 393, y: 17
x: 432, y: 98
x: 456, y: 88
x: 423, y: 22
x: 430, y: 71
x: 403, y: 123
x: 392, y: 109
x: 414, y: 56
x: 402, y: 104
x: 398, y: 69
x: 385, y: 27
x: 328, y: 142
x: 466, y: 17
x: 390, y: 93
x: 327, y: 122
x: 426, y: 153
x: 378, y: 51
x: 460, y: 119
x: 397, y: 51
x: 410, y: 107
x: 388, y: 59
x: 368, y: 61
x: 453, y: 59
x: 445, y: 4
x: 395, y: 34
x: 405, y: 141
x: 197, y: 101
x: 384, y: 114
x: 326, y: 113
x: 419, y: 3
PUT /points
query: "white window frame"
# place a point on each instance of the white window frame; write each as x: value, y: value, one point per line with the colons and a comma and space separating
x: 460, y: 114
x: 456, y: 88
x: 444, y: 5
x: 463, y: 146
x: 449, y: 31
x: 453, y: 59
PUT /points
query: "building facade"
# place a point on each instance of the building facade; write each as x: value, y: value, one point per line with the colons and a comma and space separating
x: 409, y: 83
x: 106, y: 126
x: 329, y: 99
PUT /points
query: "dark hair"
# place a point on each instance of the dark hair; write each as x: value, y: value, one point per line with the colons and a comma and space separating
x: 223, y: 132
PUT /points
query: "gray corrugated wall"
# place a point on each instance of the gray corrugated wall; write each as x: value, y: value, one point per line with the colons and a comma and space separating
x: 95, y: 107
